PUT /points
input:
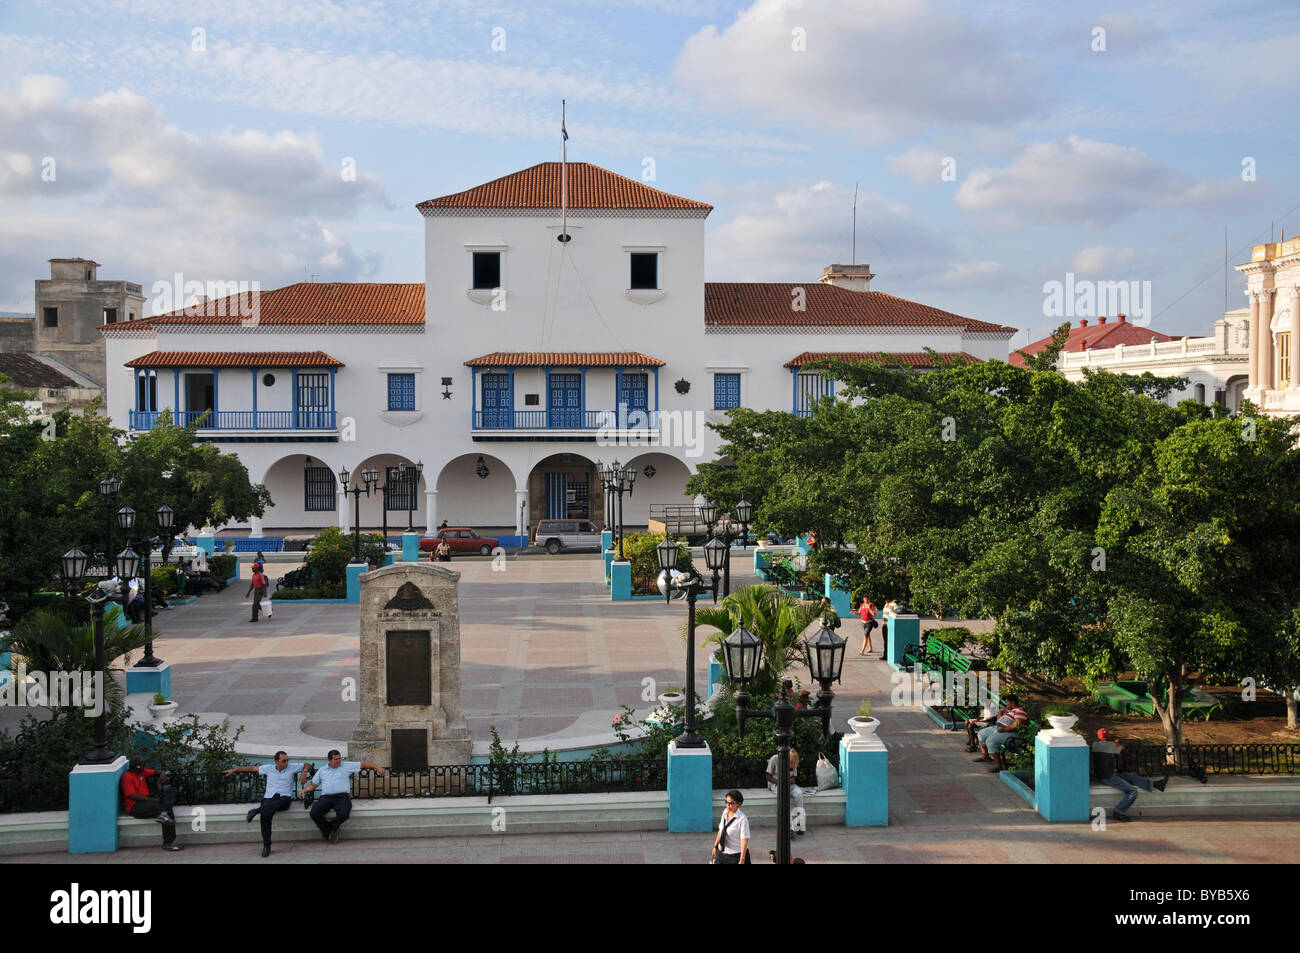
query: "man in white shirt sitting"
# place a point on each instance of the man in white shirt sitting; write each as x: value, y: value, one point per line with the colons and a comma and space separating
x: 279, y: 791
x: 335, y: 783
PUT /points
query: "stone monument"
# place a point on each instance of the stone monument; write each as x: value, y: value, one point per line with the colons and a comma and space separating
x: 410, y: 669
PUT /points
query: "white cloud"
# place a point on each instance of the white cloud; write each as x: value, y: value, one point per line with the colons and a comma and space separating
x: 969, y: 275
x: 882, y: 70
x: 1100, y: 260
x: 147, y: 198
x: 1082, y: 181
x: 792, y: 233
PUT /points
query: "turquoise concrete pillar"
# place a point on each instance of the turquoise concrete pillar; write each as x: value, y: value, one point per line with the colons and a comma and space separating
x: 606, y: 539
x: 1061, y: 775
x: 206, y: 543
x: 235, y: 576
x: 354, y: 580
x: 801, y: 545
x: 690, y: 789
x: 150, y: 680
x: 838, y: 597
x: 389, y: 559
x: 410, y: 547
x: 6, y: 667
x: 620, y: 581
x: 608, y: 557
x: 717, y: 672
x: 864, y: 775
x: 904, y: 630
x: 762, y: 558
x: 93, y: 800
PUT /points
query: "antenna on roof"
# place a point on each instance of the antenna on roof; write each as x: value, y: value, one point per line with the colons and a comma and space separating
x: 855, y: 223
x: 564, y: 178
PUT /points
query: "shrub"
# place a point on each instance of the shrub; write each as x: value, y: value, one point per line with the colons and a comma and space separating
x: 331, y: 551
x: 955, y: 636
x: 639, y: 549
x: 189, y: 746
x: 163, y: 578
x: 223, y: 565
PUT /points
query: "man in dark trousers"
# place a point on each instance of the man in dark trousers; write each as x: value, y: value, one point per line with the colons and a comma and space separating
x: 257, y: 586
x: 335, y: 783
x: 140, y: 803
x: 1106, y: 754
x: 279, y: 791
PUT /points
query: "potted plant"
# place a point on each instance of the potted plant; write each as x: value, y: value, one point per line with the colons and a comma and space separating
x: 1060, y: 718
x: 863, y: 724
x: 673, y: 696
x: 161, y: 708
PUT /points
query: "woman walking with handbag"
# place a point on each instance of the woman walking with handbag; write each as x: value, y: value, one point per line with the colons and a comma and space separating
x: 731, y: 846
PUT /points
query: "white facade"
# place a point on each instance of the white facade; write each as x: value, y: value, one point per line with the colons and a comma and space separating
x: 554, y: 298
x: 1273, y: 290
x: 1216, y: 367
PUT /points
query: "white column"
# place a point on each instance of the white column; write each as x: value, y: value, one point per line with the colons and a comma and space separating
x: 521, y: 511
x: 255, y: 526
x: 1266, y: 364
x: 345, y: 517
x: 1295, y: 340
x: 1252, y: 338
x: 430, y: 511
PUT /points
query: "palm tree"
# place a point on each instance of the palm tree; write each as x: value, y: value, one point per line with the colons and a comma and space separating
x: 777, y: 619
x: 46, y: 641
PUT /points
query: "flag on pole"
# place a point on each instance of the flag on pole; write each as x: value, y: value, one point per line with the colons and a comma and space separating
x: 564, y: 132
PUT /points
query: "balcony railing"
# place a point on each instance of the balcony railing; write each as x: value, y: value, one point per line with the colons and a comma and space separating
x: 564, y: 420
x: 306, y: 419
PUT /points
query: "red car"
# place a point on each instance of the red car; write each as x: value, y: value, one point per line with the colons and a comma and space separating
x: 462, y: 540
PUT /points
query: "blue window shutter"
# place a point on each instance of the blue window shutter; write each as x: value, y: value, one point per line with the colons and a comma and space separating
x: 726, y: 391
x: 401, y: 392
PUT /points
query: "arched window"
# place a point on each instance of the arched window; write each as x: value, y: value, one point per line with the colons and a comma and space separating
x: 1199, y: 391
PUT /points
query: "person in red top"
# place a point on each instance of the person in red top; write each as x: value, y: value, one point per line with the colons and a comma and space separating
x: 994, y: 738
x: 140, y: 803
x: 867, y: 613
x: 257, y: 586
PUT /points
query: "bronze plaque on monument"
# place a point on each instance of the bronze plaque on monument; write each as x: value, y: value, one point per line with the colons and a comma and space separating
x: 409, y: 668
x: 410, y: 749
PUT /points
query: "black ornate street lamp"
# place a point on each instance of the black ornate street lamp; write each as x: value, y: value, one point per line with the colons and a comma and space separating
x: 369, y: 478
x: 622, y: 480
x: 742, y: 655
x: 74, y: 570
x: 165, y: 517
x: 109, y: 487
x: 412, y: 474
x: 689, y: 585
x: 709, y: 516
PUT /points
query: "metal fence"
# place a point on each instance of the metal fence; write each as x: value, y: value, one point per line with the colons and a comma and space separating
x: 1200, y: 760
x: 21, y: 796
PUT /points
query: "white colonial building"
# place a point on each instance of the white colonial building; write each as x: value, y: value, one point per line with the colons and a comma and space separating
x: 530, y: 351
x: 1273, y: 289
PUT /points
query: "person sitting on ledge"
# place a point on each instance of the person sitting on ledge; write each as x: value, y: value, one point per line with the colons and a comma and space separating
x: 335, y: 783
x: 993, y: 740
x: 1106, y: 755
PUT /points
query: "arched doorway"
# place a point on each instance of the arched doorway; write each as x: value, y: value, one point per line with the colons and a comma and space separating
x: 565, y: 486
x: 394, y: 499
x: 477, y: 490
x: 304, y: 494
x: 661, y: 478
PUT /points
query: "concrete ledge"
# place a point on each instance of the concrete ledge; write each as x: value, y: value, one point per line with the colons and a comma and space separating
x: 414, y: 817
x: 1222, y: 796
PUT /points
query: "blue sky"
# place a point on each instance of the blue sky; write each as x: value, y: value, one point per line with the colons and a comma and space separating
x: 208, y: 136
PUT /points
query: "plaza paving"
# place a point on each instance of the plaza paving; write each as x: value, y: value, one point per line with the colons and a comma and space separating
x: 548, y: 657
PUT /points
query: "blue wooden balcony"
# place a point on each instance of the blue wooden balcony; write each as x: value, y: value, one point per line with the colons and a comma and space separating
x: 563, y: 420
x: 235, y: 425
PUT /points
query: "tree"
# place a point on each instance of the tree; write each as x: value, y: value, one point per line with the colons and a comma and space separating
x: 1205, y: 558
x: 776, y: 619
x: 51, y: 489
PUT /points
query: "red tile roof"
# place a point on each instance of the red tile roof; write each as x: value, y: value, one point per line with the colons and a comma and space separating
x: 235, y: 359
x: 590, y: 186
x: 904, y: 359
x: 25, y: 371
x: 1087, y: 337
x: 304, y: 303
x: 564, y: 359
x: 748, y: 304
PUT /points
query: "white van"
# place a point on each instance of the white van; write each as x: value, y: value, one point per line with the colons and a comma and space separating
x: 557, y: 535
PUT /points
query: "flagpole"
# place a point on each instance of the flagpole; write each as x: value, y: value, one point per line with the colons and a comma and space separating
x: 564, y: 176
